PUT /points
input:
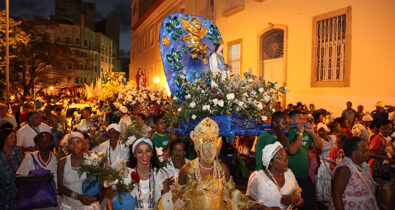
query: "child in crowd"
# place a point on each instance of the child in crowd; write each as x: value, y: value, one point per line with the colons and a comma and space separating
x: 336, y: 154
x: 161, y: 138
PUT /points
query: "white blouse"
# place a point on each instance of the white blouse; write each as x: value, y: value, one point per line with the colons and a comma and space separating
x: 262, y: 189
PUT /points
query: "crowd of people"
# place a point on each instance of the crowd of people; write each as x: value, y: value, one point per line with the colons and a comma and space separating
x: 308, y: 159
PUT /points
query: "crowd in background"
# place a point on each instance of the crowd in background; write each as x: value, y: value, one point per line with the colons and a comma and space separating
x: 339, y: 162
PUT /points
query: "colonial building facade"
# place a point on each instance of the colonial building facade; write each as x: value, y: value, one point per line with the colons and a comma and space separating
x: 95, y: 44
x: 326, y: 52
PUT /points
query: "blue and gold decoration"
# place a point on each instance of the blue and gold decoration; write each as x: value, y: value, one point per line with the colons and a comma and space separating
x: 186, y: 43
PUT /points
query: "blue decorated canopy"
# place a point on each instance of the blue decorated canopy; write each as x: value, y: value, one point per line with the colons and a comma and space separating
x: 186, y: 43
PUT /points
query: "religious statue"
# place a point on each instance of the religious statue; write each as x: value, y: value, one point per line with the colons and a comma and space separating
x: 205, y: 182
x: 217, y: 62
x: 140, y: 78
x: 194, y: 34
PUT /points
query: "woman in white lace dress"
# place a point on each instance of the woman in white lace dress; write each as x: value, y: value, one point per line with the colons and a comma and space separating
x: 69, y: 182
x: 145, y: 166
x: 274, y: 187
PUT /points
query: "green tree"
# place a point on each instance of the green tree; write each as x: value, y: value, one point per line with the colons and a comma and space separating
x: 42, y: 62
x: 17, y: 37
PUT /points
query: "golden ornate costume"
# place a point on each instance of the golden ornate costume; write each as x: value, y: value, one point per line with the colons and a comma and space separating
x: 213, y: 191
x: 214, y: 194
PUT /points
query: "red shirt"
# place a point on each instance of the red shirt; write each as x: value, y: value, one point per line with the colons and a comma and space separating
x: 378, y: 143
x: 336, y: 154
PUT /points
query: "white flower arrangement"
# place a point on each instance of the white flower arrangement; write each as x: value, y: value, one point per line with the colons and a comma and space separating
x: 198, y: 98
x: 142, y: 98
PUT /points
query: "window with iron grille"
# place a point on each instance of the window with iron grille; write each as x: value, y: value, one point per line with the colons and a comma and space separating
x: 331, y: 49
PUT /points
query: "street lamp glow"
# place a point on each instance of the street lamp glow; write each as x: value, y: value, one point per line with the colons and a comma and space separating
x: 156, y: 80
x: 51, y: 88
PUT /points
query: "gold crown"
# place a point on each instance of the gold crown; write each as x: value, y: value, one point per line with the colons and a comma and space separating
x: 205, y: 132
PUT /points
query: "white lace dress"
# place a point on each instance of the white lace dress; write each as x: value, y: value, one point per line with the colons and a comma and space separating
x: 262, y: 189
x: 73, y: 182
x: 147, y: 192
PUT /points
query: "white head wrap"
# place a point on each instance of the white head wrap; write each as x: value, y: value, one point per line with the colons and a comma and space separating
x: 322, y: 125
x: 269, y: 151
x: 115, y: 126
x: 74, y: 135
x: 123, y: 109
x: 367, y: 118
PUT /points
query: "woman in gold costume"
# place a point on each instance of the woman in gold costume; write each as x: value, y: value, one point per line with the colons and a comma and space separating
x: 205, y: 182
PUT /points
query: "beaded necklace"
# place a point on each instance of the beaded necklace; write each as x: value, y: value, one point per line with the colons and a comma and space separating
x: 209, y: 168
x: 216, y: 172
x: 151, y: 198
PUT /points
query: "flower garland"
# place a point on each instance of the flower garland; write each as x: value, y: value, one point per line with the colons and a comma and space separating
x: 210, y: 95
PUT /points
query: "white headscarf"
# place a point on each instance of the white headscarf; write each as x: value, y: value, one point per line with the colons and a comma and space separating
x: 269, y: 151
x: 115, y: 126
x: 74, y: 135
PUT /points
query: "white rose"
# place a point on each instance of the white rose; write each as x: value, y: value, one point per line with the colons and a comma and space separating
x: 202, y: 91
x: 215, y: 101
x: 127, y: 181
x: 261, y: 90
x: 179, y: 109
x: 192, y: 105
x: 241, y: 103
x: 193, y: 117
x: 159, y: 151
x: 260, y: 106
x: 266, y: 97
x: 175, y: 98
x: 188, y: 96
x: 230, y: 96
x: 221, y: 103
x: 264, y: 118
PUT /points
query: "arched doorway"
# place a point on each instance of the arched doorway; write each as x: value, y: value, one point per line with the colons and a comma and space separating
x: 272, y: 56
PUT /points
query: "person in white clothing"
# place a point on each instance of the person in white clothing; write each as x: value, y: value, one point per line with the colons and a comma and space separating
x: 275, y: 186
x: 169, y: 172
x: 113, y: 148
x: 26, y: 134
x: 70, y: 182
x: 43, y: 157
x: 362, y: 129
x: 125, y: 118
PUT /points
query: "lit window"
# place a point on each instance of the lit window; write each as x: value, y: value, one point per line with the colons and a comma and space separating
x: 234, y: 56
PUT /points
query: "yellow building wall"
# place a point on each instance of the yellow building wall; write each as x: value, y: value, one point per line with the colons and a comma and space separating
x: 372, y: 43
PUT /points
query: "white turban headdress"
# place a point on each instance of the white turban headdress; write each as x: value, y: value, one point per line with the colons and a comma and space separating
x: 115, y: 127
x: 269, y: 151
